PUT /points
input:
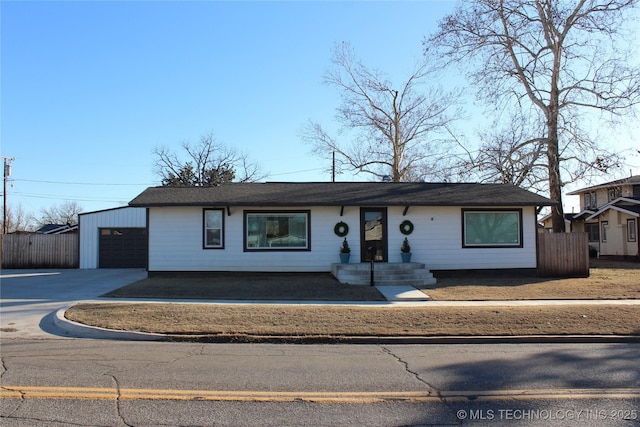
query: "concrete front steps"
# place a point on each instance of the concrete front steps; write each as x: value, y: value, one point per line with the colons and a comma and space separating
x: 385, y: 274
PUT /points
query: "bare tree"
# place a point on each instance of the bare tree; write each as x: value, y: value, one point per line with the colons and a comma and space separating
x: 507, y: 155
x: 513, y: 153
x: 208, y: 163
x: 396, y: 131
x: 18, y: 220
x: 64, y: 213
x: 562, y: 57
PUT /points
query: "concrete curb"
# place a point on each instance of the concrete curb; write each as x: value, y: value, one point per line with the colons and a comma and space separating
x: 79, y: 330
x: 399, y: 302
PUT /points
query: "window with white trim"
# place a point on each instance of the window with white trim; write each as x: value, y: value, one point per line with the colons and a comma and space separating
x: 591, y: 200
x: 614, y: 193
x: 631, y: 230
x: 213, y: 228
x: 603, y: 232
x: 271, y: 230
x: 492, y: 228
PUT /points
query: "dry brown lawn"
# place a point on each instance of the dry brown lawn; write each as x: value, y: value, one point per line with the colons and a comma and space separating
x: 248, y: 286
x: 607, y: 280
x: 247, y: 322
x: 322, y: 321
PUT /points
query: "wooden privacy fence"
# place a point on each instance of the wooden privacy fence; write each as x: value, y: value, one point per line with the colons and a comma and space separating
x: 563, y: 255
x: 40, y: 251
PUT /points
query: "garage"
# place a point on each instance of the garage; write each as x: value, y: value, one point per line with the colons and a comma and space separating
x: 114, y: 238
x: 122, y: 248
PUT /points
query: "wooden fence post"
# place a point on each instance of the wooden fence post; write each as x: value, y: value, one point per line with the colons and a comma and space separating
x: 563, y: 255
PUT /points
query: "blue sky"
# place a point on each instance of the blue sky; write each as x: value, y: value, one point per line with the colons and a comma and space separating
x: 90, y: 88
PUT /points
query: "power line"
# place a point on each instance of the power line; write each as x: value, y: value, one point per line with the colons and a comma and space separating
x: 138, y: 184
x: 294, y: 172
x: 76, y: 198
x: 81, y: 183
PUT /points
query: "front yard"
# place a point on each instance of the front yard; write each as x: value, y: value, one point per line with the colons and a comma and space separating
x: 607, y: 280
x: 251, y: 322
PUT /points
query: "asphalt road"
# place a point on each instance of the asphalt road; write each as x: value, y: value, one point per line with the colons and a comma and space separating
x: 107, y: 383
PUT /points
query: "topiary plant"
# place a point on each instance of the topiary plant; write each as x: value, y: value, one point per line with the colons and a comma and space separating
x: 406, y: 248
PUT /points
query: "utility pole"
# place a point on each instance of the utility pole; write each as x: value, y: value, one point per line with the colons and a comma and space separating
x: 7, y: 174
x: 333, y: 168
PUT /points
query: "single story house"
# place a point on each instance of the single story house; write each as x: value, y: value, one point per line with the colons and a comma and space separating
x: 113, y: 238
x: 300, y: 227
x: 610, y: 215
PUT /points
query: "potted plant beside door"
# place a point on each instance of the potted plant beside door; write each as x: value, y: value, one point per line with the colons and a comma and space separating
x: 405, y: 251
x: 345, y: 252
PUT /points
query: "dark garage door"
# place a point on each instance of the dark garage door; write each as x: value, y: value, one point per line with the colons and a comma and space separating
x: 123, y: 248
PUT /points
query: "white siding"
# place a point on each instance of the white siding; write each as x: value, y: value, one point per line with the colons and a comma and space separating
x: 437, y: 241
x: 91, y: 222
x: 176, y: 241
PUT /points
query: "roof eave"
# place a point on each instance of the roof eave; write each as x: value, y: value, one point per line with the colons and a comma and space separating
x: 616, y: 183
x: 337, y: 204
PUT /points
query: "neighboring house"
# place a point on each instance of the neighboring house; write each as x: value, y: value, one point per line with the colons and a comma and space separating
x: 113, y: 238
x: 546, y: 226
x: 58, y: 229
x: 300, y: 227
x: 610, y: 215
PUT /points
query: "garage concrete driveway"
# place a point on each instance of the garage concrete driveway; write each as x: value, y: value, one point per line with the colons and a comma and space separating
x: 30, y: 298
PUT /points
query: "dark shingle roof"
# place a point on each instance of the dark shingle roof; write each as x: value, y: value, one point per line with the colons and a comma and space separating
x: 341, y: 194
x: 632, y: 180
x: 56, y: 228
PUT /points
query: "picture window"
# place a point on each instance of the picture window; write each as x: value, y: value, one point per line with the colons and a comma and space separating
x: 272, y: 231
x: 491, y: 228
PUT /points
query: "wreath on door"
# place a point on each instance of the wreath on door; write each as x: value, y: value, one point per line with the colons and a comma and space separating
x: 406, y: 227
x: 341, y: 229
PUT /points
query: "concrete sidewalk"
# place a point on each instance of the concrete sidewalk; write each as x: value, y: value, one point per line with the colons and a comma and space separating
x: 402, y: 293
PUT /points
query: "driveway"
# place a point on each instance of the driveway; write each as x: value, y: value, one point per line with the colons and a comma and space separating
x: 29, y: 298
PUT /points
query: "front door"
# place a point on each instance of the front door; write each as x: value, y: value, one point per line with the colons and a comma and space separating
x: 373, y: 234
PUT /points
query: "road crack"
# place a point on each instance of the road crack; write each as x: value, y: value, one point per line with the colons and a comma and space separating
x: 405, y: 364
x: 198, y: 350
x: 18, y: 406
x: 5, y: 369
x: 118, y: 396
x: 3, y: 366
x: 43, y: 421
x: 430, y: 387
